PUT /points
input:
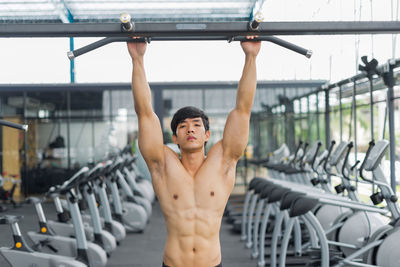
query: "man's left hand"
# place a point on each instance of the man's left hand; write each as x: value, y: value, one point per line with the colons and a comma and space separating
x: 251, y: 48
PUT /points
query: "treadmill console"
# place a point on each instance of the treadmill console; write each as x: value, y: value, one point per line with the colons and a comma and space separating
x: 338, y: 153
x: 312, y: 151
x: 376, y: 155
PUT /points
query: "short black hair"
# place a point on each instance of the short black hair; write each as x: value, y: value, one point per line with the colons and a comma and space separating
x: 188, y: 112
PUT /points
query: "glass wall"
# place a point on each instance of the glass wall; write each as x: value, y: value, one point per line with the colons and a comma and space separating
x: 12, y: 140
x: 356, y: 114
x: 71, y: 128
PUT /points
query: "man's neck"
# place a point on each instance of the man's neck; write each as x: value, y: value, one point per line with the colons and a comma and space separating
x: 192, y: 161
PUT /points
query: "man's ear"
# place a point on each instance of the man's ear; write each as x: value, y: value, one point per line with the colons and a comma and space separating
x: 208, y: 133
x: 174, y: 139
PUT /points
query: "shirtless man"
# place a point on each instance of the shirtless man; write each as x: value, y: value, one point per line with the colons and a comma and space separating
x: 193, y: 190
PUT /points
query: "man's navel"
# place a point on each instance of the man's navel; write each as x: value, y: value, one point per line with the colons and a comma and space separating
x: 212, y: 193
x: 175, y: 196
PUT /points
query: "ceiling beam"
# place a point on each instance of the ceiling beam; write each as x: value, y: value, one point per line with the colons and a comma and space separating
x: 198, y: 29
x: 225, y: 85
x: 63, y: 11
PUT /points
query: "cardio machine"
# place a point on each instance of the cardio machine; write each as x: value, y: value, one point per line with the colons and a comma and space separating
x: 132, y: 215
x: 21, y: 254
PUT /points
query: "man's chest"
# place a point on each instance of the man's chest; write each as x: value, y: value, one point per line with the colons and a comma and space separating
x: 199, y: 190
x: 207, y: 190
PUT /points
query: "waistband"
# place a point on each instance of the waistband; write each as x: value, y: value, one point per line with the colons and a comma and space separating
x: 163, y: 265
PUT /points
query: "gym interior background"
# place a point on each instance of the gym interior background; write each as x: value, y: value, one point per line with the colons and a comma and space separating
x: 80, y: 111
x: 73, y: 122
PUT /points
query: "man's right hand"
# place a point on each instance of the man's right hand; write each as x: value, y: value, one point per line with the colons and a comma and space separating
x: 136, y: 49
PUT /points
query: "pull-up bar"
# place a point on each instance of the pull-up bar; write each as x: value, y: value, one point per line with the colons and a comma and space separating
x: 127, y: 25
x: 108, y: 40
x: 180, y: 29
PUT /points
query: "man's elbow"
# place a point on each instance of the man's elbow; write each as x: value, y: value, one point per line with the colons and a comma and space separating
x: 243, y: 110
x: 143, y: 111
x: 235, y: 150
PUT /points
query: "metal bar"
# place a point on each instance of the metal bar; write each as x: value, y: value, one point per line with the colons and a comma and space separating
x: 395, y: 64
x: 323, y: 241
x: 327, y: 120
x: 309, y: 122
x: 352, y: 205
x: 93, y: 138
x: 111, y: 17
x: 25, y: 167
x: 318, y: 90
x: 150, y: 1
x: 345, y: 245
x: 392, y: 138
x: 355, y: 126
x: 3, y: 3
x: 317, y: 116
x: 149, y: 10
x: 156, y: 86
x: 358, y: 264
x: 110, y: 102
x: 69, y: 128
x: 14, y: 125
x: 2, y: 102
x: 340, y: 113
x: 75, y: 53
x: 371, y: 107
x: 204, y: 29
x: 72, y: 61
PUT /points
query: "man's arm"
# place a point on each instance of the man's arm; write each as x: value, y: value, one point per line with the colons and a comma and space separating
x: 236, y: 130
x: 150, y: 133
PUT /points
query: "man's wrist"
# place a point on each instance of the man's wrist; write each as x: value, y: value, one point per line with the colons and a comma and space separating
x: 138, y: 60
x: 251, y: 57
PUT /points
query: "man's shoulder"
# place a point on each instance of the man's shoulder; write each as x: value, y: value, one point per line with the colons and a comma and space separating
x: 159, y: 165
x: 171, y: 151
x: 217, y: 154
x: 216, y: 148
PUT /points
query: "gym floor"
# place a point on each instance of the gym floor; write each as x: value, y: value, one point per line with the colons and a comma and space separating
x: 138, y: 250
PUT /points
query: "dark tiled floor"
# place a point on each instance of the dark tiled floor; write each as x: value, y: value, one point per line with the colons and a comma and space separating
x: 138, y: 250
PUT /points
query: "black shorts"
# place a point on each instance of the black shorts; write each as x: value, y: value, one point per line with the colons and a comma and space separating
x: 163, y: 265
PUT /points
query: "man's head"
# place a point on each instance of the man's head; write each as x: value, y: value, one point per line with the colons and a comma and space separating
x: 190, y: 128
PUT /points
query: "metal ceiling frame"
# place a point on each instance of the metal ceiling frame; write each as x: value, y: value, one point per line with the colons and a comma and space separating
x: 63, y: 11
x: 102, y: 11
x: 226, y: 85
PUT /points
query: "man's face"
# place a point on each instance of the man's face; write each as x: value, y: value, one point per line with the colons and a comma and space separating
x: 191, y: 134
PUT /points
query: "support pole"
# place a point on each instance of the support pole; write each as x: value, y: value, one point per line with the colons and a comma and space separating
x: 69, y: 128
x: 354, y: 109
x: 388, y: 79
x: 317, y: 116
x: 309, y: 121
x: 93, y: 137
x: 25, y: 171
x: 159, y: 106
x: 340, y: 113
x: 327, y: 120
x: 72, y: 61
x: 371, y: 107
